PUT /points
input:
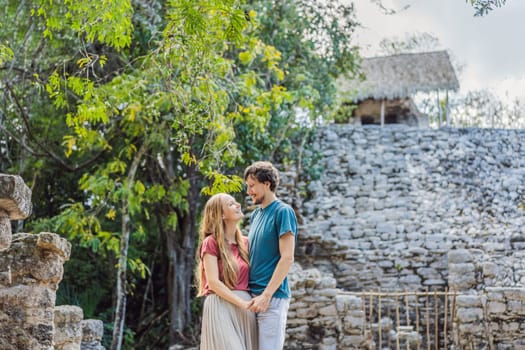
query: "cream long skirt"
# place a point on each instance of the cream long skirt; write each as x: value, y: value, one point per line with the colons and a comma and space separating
x: 226, y: 326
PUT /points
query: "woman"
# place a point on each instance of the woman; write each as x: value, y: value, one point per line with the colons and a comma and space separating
x: 222, y: 277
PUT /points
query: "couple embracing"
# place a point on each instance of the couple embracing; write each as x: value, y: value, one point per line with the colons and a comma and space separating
x: 244, y: 279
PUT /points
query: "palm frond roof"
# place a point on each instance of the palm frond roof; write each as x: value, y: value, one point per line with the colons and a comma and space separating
x: 402, y: 75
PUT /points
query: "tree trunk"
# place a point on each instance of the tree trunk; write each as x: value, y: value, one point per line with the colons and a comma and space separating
x: 121, y: 293
x: 181, y: 246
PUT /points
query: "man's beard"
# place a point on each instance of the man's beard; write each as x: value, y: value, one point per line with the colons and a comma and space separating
x: 259, y: 200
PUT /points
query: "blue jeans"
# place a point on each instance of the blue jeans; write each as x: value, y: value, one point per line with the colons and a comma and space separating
x: 272, y: 324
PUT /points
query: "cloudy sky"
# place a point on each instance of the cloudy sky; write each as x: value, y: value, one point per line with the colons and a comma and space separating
x: 491, y: 48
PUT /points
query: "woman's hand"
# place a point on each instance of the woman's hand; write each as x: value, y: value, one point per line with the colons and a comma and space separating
x: 260, y: 303
x: 247, y: 304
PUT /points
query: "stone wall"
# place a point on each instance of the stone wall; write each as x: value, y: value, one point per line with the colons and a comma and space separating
x: 493, y: 319
x: 400, y: 208
x: 321, y: 316
x: 392, y: 202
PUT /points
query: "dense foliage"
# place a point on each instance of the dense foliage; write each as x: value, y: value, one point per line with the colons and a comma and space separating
x: 122, y: 116
x: 481, y: 7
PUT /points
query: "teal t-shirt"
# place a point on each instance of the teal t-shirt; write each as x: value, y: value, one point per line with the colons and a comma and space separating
x: 267, y: 225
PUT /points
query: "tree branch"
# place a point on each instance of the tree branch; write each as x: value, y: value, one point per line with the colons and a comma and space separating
x: 40, y: 145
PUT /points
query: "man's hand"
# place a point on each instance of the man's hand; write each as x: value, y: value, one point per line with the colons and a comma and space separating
x: 260, y: 303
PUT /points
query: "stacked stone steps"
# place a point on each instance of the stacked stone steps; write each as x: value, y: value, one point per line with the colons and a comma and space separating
x: 31, y: 268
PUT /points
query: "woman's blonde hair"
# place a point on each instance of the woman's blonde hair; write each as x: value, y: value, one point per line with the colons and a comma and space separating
x: 212, y: 223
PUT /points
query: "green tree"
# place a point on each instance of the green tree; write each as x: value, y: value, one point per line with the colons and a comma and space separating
x: 482, y: 108
x: 171, y: 107
x: 483, y: 7
x: 31, y: 140
x: 314, y: 39
x: 411, y: 43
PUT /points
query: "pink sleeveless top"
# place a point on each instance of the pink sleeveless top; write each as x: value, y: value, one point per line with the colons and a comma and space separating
x: 210, y: 246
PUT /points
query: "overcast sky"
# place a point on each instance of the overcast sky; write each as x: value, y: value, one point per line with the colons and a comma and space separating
x: 491, y: 48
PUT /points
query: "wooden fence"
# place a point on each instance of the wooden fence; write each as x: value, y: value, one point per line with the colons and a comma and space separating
x: 421, y: 320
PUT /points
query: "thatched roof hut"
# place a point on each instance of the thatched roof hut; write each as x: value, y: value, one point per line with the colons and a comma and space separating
x: 398, y: 77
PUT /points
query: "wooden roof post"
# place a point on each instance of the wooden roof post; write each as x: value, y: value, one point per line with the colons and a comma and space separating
x: 447, y: 111
x: 439, y: 109
x: 382, y: 112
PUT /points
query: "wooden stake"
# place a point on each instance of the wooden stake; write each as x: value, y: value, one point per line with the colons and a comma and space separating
x: 397, y: 324
x: 445, y: 318
x: 436, y: 321
x: 428, y: 319
x: 379, y: 322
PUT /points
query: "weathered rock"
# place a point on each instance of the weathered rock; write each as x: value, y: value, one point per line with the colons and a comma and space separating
x: 68, y: 327
x: 92, y: 332
x: 28, y: 298
x: 15, y: 204
x: 15, y: 197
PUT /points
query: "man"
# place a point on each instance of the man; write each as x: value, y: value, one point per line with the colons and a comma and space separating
x: 273, y: 232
